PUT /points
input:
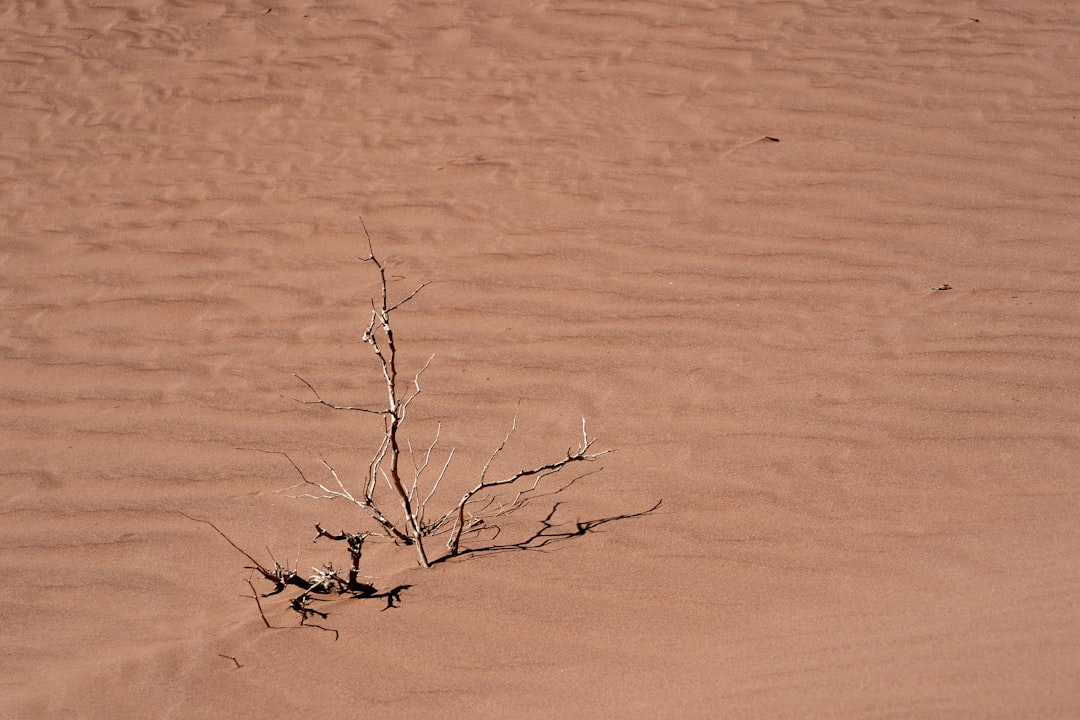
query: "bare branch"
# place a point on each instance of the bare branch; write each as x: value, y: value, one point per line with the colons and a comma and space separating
x: 319, y: 400
x: 389, y: 451
x: 416, y: 390
x: 408, y: 297
x: 258, y: 603
x: 258, y: 566
x: 435, y: 486
x: 474, y: 516
x: 411, y: 527
x: 499, y: 449
x: 342, y: 492
x: 418, y: 469
x: 581, y: 455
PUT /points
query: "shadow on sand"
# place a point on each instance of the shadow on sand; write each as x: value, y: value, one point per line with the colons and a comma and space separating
x: 329, y: 582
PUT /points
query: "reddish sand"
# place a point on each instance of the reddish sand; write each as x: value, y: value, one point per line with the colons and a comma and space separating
x: 869, y: 481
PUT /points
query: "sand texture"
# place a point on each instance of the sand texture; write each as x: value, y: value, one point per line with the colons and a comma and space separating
x: 811, y: 268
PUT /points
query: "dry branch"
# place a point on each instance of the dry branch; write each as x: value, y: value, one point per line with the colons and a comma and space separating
x: 386, y: 484
x: 385, y: 467
x: 540, y: 472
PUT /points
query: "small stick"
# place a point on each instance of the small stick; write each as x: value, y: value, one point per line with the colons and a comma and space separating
x: 230, y: 657
x: 258, y: 566
x: 319, y: 400
x: 770, y: 138
x: 258, y: 603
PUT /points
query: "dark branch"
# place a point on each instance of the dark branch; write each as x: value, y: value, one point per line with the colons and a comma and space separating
x: 319, y: 400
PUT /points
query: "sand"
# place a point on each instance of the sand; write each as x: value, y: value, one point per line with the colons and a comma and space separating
x: 810, y: 268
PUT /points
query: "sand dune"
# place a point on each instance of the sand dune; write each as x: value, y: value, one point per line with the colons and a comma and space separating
x: 809, y: 267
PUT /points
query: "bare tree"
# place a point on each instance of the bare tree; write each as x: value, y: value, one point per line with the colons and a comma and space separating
x: 476, y: 508
x: 387, y: 484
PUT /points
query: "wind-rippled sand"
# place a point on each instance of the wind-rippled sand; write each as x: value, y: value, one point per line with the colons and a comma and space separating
x: 810, y: 267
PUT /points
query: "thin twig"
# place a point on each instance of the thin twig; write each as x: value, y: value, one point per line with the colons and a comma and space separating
x: 582, y: 455
x: 270, y: 575
x: 258, y: 603
x: 230, y: 657
x: 319, y: 400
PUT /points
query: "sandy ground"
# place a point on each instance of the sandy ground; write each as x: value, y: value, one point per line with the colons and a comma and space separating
x: 846, y: 359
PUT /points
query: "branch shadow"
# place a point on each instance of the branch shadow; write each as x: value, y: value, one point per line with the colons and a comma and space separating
x: 549, y: 533
x: 391, y: 596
